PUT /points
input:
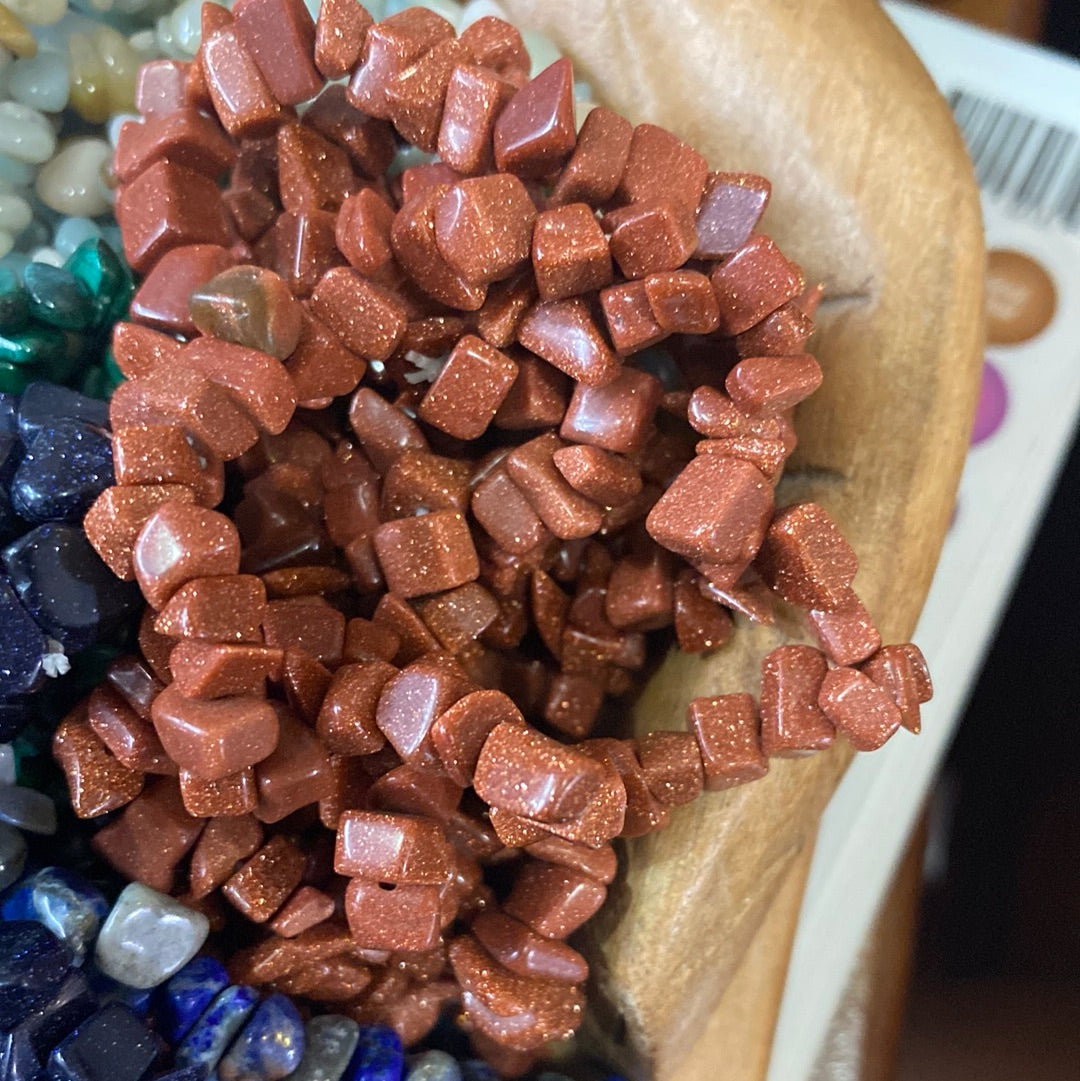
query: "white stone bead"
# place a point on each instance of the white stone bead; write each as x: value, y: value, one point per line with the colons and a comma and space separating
x: 41, y: 83
x: 7, y: 242
x: 45, y: 254
x: 7, y: 763
x: 25, y: 134
x: 147, y: 937
x: 72, y: 183
x: 15, y: 213
x: 71, y: 232
x: 27, y: 809
x: 38, y: 12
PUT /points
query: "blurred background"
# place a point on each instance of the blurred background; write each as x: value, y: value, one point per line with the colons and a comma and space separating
x: 994, y: 991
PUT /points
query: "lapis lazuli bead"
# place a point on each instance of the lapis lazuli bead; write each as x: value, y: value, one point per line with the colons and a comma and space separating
x: 183, y: 999
x: 378, y: 1056
x: 46, y: 403
x: 22, y: 646
x: 269, y: 1047
x: 33, y: 964
x: 111, y: 1045
x: 66, y: 904
x: 211, y: 1035
x: 65, y: 586
x: 67, y: 465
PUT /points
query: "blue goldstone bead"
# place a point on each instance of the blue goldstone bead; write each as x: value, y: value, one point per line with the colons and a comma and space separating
x: 11, y: 453
x: 14, y: 712
x: 46, y: 403
x: 269, y: 1046
x: 56, y: 298
x: 378, y: 1056
x: 67, y: 465
x: 66, y: 904
x: 211, y: 1035
x: 22, y: 645
x: 65, y: 586
x: 25, y: 1048
x: 183, y: 999
x: 111, y: 1045
x: 33, y: 964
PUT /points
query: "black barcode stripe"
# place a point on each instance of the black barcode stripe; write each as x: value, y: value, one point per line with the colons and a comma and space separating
x: 1032, y: 165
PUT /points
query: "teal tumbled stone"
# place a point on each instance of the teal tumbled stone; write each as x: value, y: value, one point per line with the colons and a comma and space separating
x: 15, y: 378
x: 99, y: 270
x: 14, y: 303
x: 57, y: 299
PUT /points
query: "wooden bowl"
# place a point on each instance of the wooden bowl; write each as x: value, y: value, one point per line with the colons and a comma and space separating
x: 873, y: 194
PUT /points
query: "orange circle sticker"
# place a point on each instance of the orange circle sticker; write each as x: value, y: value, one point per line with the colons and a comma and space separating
x: 1020, y: 297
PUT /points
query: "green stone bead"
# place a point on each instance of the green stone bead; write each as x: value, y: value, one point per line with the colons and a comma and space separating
x: 103, y: 275
x: 93, y: 383
x: 14, y: 378
x: 113, y: 376
x: 14, y: 303
x: 43, y: 346
x: 56, y: 298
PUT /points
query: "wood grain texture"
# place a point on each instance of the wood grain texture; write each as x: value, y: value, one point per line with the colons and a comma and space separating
x: 873, y: 194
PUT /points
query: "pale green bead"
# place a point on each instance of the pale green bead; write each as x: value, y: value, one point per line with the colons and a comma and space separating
x: 15, y: 213
x: 25, y: 134
x: 73, y: 182
x: 475, y: 10
x: 145, y: 45
x: 17, y: 174
x: 542, y: 49
x: 42, y: 82
x: 38, y: 12
x: 71, y: 232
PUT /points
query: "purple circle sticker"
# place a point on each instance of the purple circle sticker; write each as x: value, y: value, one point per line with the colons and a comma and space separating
x: 993, y: 404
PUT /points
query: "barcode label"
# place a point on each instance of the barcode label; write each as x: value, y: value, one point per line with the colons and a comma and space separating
x: 1031, y: 165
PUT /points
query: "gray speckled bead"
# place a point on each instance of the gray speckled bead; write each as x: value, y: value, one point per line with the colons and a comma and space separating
x: 12, y: 855
x: 433, y: 1066
x: 27, y: 809
x: 330, y: 1043
x: 148, y: 937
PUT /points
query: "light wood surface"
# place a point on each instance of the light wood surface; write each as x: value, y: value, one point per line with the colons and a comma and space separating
x: 874, y: 195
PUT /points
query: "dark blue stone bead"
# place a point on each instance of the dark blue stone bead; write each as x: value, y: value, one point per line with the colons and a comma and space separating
x: 140, y: 1001
x: 24, y: 1048
x: 67, y: 465
x: 184, y: 998
x: 111, y: 1045
x: 33, y: 964
x: 378, y: 1056
x: 10, y: 456
x: 476, y: 1069
x: 46, y: 403
x: 22, y: 645
x: 9, y: 414
x: 65, y: 586
x: 56, y: 298
x: 211, y: 1035
x: 269, y: 1047
x: 14, y: 712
